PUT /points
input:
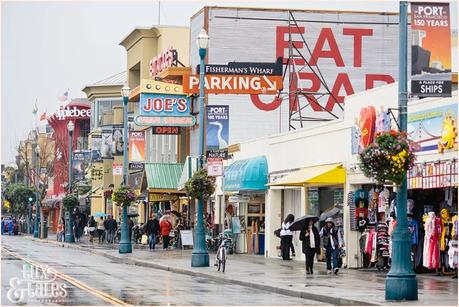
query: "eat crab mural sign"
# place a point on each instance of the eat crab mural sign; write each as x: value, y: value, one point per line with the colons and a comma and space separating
x: 345, y: 54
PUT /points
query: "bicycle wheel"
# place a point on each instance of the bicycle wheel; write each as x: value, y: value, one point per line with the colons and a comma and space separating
x: 223, y: 260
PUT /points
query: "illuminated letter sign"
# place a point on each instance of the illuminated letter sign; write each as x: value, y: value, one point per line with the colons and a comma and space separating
x: 164, y: 105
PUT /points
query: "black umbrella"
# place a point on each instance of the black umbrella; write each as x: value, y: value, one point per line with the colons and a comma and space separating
x: 133, y: 215
x: 301, y: 222
x: 176, y: 213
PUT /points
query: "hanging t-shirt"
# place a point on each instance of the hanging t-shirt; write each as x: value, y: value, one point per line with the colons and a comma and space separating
x: 383, y: 200
x: 361, y: 198
x: 413, y: 229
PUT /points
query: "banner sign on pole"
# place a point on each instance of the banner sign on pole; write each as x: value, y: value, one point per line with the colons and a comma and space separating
x: 81, y: 161
x: 137, y: 146
x: 217, y: 128
x: 106, y: 147
x: 96, y: 146
x: 430, y: 60
x: 118, y: 139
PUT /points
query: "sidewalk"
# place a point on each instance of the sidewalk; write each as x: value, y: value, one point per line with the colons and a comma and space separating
x: 349, y: 287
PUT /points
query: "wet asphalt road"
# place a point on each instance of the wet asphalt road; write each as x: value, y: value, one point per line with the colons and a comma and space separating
x: 105, y: 281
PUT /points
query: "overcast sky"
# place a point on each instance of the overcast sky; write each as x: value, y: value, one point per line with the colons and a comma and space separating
x: 49, y: 47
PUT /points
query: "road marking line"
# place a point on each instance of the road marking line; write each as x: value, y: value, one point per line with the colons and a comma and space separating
x: 102, y: 295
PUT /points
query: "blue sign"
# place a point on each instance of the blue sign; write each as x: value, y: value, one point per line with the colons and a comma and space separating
x: 164, y: 105
x: 217, y: 134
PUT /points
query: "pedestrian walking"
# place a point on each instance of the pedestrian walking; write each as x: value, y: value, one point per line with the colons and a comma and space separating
x: 92, y: 228
x: 130, y: 227
x: 165, y: 229
x: 332, y: 243
x: 111, y: 227
x: 287, y: 237
x: 3, y: 225
x: 152, y: 230
x: 100, y: 230
x: 77, y: 228
x: 310, y: 244
x: 61, y: 230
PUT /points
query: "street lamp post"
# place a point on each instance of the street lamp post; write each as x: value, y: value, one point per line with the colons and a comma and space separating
x: 200, y: 257
x: 37, y: 233
x: 125, y: 246
x: 69, y: 238
x: 33, y: 138
x: 401, y: 283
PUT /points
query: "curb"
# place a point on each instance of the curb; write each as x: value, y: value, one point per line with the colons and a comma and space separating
x: 282, y: 291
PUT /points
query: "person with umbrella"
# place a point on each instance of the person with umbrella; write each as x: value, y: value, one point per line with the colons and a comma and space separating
x: 287, y: 237
x: 332, y: 243
x: 310, y: 238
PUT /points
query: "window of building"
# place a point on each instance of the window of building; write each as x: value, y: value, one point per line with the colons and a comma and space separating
x: 102, y: 107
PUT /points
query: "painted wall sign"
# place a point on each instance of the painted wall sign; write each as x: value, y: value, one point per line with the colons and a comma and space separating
x: 431, y: 60
x: 245, y: 68
x: 162, y: 61
x: 217, y: 128
x: 72, y: 113
x: 434, y: 129
x: 164, y: 105
x: 181, y: 121
x: 159, y: 87
x: 166, y: 130
x: 233, y: 84
x: 137, y: 146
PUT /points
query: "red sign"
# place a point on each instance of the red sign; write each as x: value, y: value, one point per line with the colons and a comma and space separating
x: 166, y: 130
x: 233, y: 84
x: 367, y: 126
x: 162, y: 61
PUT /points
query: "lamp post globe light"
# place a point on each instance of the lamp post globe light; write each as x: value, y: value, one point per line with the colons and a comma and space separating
x: 401, y: 283
x: 36, y: 232
x: 200, y: 257
x: 69, y: 238
x: 125, y: 246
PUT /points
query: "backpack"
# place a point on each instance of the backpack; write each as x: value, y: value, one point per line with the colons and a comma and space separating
x: 277, y: 232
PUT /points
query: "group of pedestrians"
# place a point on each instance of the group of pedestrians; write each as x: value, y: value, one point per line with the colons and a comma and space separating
x: 11, y: 226
x: 155, y: 228
x: 105, y: 229
x: 330, y: 237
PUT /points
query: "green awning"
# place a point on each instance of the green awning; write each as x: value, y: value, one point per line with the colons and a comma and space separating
x: 163, y: 176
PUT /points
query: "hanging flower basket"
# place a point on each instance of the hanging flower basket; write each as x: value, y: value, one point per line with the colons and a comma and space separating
x: 70, y: 201
x: 123, y: 196
x: 200, y: 186
x: 389, y: 157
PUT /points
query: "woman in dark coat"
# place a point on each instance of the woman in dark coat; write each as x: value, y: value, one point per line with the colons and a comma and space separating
x: 311, y: 244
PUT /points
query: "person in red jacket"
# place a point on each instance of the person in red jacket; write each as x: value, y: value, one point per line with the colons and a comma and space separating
x: 165, y: 228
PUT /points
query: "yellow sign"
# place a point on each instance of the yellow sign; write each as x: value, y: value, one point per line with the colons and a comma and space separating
x: 161, y: 197
x: 159, y: 87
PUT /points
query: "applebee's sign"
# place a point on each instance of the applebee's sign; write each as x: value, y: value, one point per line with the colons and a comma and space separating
x: 73, y: 112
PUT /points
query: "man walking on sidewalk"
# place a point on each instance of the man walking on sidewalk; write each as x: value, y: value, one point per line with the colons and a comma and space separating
x: 152, y: 230
x: 111, y: 229
x: 332, y: 243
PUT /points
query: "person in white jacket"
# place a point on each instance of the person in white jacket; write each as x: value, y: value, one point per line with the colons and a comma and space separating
x: 286, y: 238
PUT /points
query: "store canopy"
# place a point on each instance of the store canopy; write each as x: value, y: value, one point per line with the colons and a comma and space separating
x: 329, y: 174
x: 247, y: 175
x: 163, y: 176
x: 190, y: 167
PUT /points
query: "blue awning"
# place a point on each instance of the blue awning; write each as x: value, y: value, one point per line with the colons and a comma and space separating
x: 247, y: 175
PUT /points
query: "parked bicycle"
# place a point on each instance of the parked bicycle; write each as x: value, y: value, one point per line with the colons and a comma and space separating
x: 225, y: 245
